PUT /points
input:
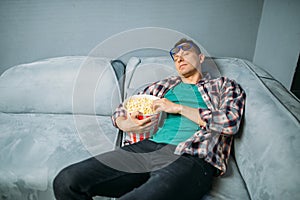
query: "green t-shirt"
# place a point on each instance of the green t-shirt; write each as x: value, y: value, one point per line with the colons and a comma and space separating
x: 176, y: 127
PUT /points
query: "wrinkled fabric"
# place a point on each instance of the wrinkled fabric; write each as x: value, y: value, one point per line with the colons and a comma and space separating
x: 34, y: 147
x: 74, y: 84
x: 267, y: 149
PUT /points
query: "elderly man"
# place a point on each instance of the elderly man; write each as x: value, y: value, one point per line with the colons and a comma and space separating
x: 181, y: 159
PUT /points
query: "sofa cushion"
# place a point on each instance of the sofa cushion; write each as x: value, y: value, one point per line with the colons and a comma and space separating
x: 73, y: 84
x: 267, y: 150
x: 229, y: 186
x: 35, y: 147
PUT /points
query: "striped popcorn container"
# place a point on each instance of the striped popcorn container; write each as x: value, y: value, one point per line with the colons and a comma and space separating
x: 143, y: 104
x: 135, y: 137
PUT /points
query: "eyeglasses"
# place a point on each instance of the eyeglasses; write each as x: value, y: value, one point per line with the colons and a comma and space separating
x: 185, y: 47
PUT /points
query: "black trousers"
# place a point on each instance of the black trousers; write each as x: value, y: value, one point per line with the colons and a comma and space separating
x: 141, y: 171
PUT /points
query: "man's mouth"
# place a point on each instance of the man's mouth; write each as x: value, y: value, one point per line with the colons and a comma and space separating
x: 182, y: 65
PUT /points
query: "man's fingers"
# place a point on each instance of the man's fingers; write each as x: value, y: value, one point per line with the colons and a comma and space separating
x: 156, y: 104
x: 142, y: 122
x: 135, y: 114
x: 147, y: 120
x: 160, y: 104
x: 146, y: 127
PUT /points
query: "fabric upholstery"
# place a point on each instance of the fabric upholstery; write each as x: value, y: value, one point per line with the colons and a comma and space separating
x: 45, y: 126
x: 39, y: 135
x: 229, y: 186
x: 267, y: 150
x: 61, y: 85
x: 34, y: 147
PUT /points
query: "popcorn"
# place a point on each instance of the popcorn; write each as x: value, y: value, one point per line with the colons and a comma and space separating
x: 141, y: 104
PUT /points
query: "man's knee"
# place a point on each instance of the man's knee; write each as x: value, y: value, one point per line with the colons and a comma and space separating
x: 58, y: 182
x: 63, y: 181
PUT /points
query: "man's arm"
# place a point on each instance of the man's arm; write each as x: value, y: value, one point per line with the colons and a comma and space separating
x: 225, y: 118
x: 131, y: 123
x: 170, y: 107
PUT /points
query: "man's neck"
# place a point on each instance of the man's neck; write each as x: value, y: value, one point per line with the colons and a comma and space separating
x: 195, y: 78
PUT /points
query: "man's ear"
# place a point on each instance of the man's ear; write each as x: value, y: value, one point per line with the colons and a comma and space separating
x: 201, y: 57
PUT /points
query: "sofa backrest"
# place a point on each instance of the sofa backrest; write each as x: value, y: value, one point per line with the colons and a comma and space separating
x: 141, y: 71
x: 267, y: 149
x: 73, y: 84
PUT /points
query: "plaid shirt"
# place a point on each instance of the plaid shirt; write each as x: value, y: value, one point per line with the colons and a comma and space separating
x: 225, y: 100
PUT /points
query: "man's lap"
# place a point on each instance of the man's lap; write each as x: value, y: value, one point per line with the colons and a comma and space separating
x: 145, y: 166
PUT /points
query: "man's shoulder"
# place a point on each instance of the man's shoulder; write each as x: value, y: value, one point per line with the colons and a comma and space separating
x: 169, y: 79
x: 222, y: 80
x: 224, y: 83
x: 166, y: 82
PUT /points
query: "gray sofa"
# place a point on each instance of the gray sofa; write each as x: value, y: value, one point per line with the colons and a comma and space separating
x: 50, y: 117
x: 53, y: 113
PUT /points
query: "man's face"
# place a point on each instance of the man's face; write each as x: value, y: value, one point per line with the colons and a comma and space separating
x: 187, y: 62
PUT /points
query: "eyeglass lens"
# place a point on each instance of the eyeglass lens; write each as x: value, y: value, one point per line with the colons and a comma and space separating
x: 184, y: 47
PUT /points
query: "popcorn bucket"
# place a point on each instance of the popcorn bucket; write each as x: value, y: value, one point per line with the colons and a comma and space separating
x: 135, y: 137
x: 140, y: 100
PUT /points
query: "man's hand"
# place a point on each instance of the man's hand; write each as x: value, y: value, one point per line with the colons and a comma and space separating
x: 131, y: 123
x: 170, y: 107
x: 166, y: 106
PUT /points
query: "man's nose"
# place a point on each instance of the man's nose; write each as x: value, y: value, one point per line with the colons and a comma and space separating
x: 180, y: 56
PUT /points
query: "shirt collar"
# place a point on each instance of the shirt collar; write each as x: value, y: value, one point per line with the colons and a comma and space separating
x: 205, y: 78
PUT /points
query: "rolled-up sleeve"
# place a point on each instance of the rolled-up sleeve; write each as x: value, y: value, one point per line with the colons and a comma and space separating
x: 120, y: 111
